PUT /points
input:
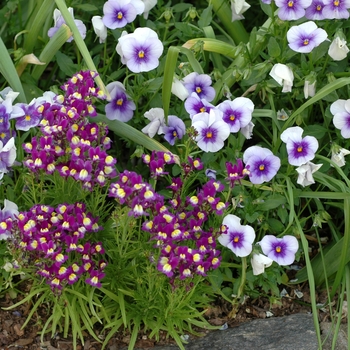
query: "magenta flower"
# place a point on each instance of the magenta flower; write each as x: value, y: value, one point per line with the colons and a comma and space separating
x: 261, y: 163
x: 140, y: 50
x: 291, y: 9
x: 239, y: 238
x: 120, y: 107
x: 118, y: 13
x: 281, y: 250
x: 199, y: 84
x: 336, y: 9
x: 237, y: 113
x: 305, y: 37
x: 212, y: 130
x: 300, y: 150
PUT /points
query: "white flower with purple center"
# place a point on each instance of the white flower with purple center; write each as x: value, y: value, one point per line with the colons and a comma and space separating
x: 194, y: 105
x: 199, y: 84
x: 239, y: 238
x: 336, y: 9
x: 261, y: 163
x: 314, y: 11
x: 341, y: 116
x: 282, y: 250
x: 176, y: 129
x: 59, y: 20
x: 118, y: 13
x: 212, y: 130
x: 237, y: 113
x: 291, y: 9
x: 120, y: 107
x: 305, y: 37
x: 300, y: 150
x: 283, y: 75
x: 140, y: 50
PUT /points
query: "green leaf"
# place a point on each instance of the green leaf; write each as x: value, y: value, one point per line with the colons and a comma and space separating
x: 86, y: 7
x: 273, y: 48
x: 206, y: 17
x: 272, y: 203
x: 275, y: 226
x: 66, y: 64
x: 315, y: 130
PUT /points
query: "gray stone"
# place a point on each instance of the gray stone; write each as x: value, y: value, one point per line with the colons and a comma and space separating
x: 327, y: 335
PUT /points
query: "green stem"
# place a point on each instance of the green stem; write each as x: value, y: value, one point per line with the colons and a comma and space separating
x: 243, y: 278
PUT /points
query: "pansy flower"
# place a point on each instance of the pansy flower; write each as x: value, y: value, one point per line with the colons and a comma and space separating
x: 199, y: 84
x: 194, y: 105
x: 291, y: 9
x: 175, y: 130
x: 281, y: 250
x: 239, y: 238
x: 336, y: 9
x: 262, y: 164
x: 305, y: 37
x: 314, y: 11
x: 300, y: 150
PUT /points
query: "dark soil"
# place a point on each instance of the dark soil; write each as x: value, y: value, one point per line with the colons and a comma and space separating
x: 13, y: 336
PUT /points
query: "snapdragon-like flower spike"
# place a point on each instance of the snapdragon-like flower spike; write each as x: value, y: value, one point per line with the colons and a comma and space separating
x: 282, y: 250
x: 300, y: 150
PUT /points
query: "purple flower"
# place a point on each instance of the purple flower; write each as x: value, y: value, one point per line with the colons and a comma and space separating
x: 31, y: 117
x: 239, y: 238
x: 341, y: 116
x: 236, y: 172
x: 336, y: 9
x: 300, y: 150
x: 140, y: 50
x: 118, y: 13
x: 59, y: 20
x: 305, y: 37
x: 237, y: 113
x: 210, y: 173
x: 7, y: 215
x: 175, y: 130
x: 212, y: 130
x: 314, y: 11
x: 195, y: 105
x: 199, y: 84
x: 7, y: 155
x: 292, y: 9
x: 261, y: 163
x: 120, y: 107
x: 281, y: 250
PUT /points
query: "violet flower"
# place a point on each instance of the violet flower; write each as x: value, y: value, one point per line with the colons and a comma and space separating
x: 7, y: 156
x: 261, y: 163
x: 7, y: 215
x: 336, y: 9
x: 305, y: 37
x: 237, y: 113
x: 140, y: 50
x: 194, y: 105
x: 291, y: 9
x: 199, y: 84
x: 59, y: 20
x: 31, y: 117
x: 300, y: 150
x: 281, y: 250
x: 118, y: 13
x: 239, y: 238
x: 341, y: 116
x: 212, y: 130
x: 120, y: 106
x: 314, y: 11
x: 176, y: 129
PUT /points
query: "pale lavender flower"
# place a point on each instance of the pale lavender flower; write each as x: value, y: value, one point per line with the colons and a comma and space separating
x: 195, y: 105
x: 281, y: 250
x: 305, y: 37
x: 156, y: 117
x: 336, y: 9
x: 176, y: 129
x: 199, y: 84
x: 341, y: 116
x: 140, y: 50
x: 99, y: 28
x: 59, y: 20
x: 31, y: 116
x: 237, y: 113
x: 300, y: 150
x: 305, y: 172
x: 261, y: 163
x: 212, y: 130
x: 210, y: 173
x: 7, y: 155
x: 118, y: 13
x: 291, y: 9
x: 314, y: 11
x: 238, y: 238
x: 120, y: 106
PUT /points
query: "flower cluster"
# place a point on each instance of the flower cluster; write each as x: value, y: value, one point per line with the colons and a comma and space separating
x: 67, y: 141
x: 52, y: 240
x: 176, y: 224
